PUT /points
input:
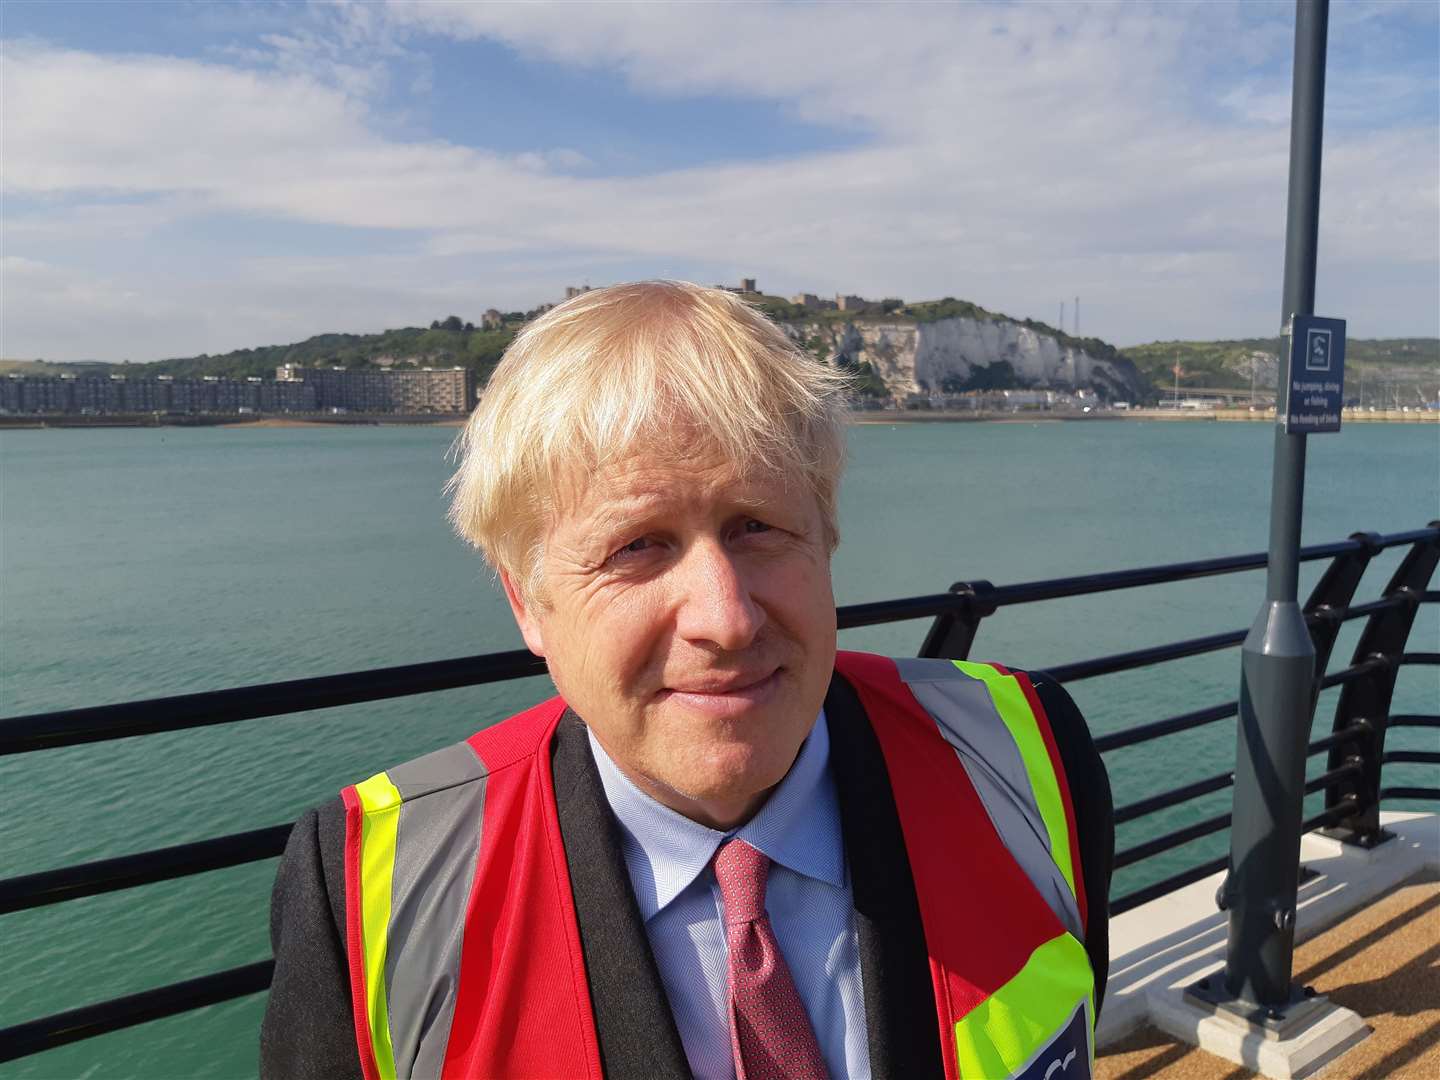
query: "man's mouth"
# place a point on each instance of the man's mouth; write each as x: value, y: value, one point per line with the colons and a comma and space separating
x: 724, y: 695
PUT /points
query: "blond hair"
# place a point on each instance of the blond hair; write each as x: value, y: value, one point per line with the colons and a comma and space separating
x: 615, y: 369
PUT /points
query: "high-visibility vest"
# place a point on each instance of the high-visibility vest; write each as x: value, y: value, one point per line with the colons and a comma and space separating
x: 463, y: 944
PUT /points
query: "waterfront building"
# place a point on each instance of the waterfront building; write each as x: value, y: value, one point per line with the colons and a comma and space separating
x: 402, y: 390
x: 27, y: 394
x: 286, y: 397
x: 10, y: 394
x: 431, y: 391
x: 144, y: 395
x: 48, y: 394
x: 183, y: 397
x: 337, y: 389
x: 98, y: 395
x: 91, y: 396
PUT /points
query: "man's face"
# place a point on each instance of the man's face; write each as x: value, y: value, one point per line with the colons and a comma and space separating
x: 687, y: 617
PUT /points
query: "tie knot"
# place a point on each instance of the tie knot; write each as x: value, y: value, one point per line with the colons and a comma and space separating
x: 740, y: 871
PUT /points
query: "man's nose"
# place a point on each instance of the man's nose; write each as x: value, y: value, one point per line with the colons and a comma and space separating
x: 715, y: 604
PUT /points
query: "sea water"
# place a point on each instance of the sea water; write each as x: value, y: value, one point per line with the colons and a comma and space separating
x: 143, y: 563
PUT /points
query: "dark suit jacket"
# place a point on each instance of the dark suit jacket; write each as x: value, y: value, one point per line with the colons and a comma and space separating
x: 308, y: 1030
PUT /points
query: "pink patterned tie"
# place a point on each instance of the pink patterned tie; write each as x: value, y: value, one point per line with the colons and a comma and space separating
x: 770, y: 1035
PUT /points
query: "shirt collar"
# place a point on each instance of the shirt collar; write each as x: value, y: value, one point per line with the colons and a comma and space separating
x: 798, y: 827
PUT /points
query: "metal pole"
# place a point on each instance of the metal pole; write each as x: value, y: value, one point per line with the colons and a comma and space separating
x: 1278, y: 659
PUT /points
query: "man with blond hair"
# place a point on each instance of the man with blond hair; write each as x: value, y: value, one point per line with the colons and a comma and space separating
x: 725, y: 849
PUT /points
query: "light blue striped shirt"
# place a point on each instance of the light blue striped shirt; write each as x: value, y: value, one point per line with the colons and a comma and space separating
x: 807, y: 898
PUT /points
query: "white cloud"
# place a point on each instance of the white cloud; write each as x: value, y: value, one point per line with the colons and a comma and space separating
x: 561, y: 158
x: 1258, y: 105
x: 80, y: 122
x: 78, y: 311
x: 17, y: 266
x: 1011, y: 154
x: 111, y: 222
x: 245, y: 303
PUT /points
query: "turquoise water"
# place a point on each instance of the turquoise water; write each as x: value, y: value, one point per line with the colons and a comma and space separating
x: 142, y: 563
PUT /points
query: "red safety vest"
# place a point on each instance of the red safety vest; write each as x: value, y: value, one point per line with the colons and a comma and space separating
x: 464, y: 949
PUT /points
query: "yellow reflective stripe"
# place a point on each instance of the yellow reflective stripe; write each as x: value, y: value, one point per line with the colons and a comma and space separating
x: 1014, y: 709
x: 1002, y: 1034
x: 381, y: 803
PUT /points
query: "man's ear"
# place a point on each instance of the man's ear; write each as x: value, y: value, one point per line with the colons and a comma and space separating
x: 524, y: 618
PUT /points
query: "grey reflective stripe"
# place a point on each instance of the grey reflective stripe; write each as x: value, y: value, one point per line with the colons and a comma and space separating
x: 965, y: 714
x: 437, y: 844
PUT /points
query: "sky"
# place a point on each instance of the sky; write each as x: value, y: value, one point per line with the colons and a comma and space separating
x: 182, y: 178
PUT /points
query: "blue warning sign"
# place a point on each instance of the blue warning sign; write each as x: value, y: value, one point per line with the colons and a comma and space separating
x: 1316, y: 391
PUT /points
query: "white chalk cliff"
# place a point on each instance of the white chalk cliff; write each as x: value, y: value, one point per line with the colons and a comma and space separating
x: 913, y: 356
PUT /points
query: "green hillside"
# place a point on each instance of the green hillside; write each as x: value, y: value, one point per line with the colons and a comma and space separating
x: 1222, y: 364
x: 1407, y: 363
x: 452, y: 342
x: 444, y: 344
x: 448, y: 344
x: 46, y: 367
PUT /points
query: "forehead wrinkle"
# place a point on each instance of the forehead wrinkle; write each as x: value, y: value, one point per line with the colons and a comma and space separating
x: 643, y: 485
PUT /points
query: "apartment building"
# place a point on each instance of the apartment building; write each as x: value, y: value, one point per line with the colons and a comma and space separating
x: 398, y: 390
x: 121, y: 394
x: 428, y: 390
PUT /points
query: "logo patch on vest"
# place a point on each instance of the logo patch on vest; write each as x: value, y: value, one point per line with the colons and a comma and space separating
x: 1065, y: 1057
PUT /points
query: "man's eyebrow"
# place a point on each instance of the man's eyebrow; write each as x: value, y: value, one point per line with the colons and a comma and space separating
x: 635, y: 512
x: 623, y: 517
x: 747, y: 501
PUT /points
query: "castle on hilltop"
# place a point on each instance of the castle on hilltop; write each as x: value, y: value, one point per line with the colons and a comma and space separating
x: 808, y: 301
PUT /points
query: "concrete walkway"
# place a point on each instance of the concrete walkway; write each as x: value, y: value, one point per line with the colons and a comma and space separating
x: 1383, y: 962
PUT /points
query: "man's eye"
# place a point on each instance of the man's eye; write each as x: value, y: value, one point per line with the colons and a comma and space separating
x: 634, y: 547
x: 753, y: 526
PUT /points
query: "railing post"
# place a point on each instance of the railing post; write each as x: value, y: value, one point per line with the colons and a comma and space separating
x: 1278, y: 658
x: 1329, y: 600
x: 1366, y: 701
x: 952, y: 634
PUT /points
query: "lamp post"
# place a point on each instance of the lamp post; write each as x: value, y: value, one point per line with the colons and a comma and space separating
x: 1259, y: 1010
x: 1278, y: 658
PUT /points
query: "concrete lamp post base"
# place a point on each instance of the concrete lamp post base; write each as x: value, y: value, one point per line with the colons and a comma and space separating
x: 1287, y: 1043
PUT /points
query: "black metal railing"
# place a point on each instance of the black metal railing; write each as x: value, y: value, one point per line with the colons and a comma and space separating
x: 1351, y: 779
